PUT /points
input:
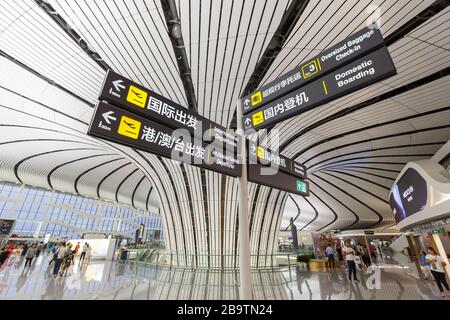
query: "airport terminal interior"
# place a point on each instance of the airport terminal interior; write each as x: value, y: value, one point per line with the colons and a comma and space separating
x: 224, y: 149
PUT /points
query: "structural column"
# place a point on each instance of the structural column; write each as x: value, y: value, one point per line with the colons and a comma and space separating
x: 245, y: 289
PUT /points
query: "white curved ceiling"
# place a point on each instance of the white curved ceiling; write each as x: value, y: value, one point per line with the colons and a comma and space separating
x: 354, y: 147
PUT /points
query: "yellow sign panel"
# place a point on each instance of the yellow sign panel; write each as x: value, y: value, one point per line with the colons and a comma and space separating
x: 258, y: 118
x: 256, y: 98
x: 129, y: 127
x: 260, y: 152
x: 137, y: 96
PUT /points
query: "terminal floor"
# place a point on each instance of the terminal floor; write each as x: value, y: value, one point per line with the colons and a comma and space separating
x: 111, y: 280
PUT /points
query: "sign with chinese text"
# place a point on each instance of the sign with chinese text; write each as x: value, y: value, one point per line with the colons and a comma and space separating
x: 346, y: 51
x: 131, y: 96
x: 355, y: 76
x: 117, y: 125
x: 267, y: 157
x: 277, y: 179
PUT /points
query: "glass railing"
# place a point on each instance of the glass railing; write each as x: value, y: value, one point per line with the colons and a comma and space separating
x: 148, y: 245
x: 212, y: 262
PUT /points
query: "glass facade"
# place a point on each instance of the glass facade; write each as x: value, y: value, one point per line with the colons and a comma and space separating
x: 39, y: 212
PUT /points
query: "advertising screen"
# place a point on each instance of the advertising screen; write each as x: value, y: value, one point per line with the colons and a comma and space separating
x: 409, y: 195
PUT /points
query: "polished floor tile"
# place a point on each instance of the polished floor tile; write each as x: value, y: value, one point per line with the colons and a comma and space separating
x: 118, y: 281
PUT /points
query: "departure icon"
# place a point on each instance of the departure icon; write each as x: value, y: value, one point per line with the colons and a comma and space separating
x: 137, y: 96
x: 258, y: 118
x: 129, y: 127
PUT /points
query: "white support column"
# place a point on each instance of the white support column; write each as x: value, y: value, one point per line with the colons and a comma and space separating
x: 38, y: 230
x: 245, y: 289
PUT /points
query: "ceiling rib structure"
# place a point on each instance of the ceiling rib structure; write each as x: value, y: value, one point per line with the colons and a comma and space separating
x: 53, y: 68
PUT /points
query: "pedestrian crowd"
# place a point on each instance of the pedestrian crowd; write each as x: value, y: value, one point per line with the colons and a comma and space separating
x: 62, y: 255
x: 355, y: 257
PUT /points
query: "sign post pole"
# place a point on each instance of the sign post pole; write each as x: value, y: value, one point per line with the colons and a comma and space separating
x: 245, y: 289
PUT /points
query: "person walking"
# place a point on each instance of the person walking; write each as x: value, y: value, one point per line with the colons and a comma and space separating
x: 373, y: 251
x: 349, y: 254
x: 425, y: 265
x: 4, y: 255
x: 60, y: 253
x: 437, y: 267
x: 77, y: 247
x: 365, y: 256
x: 339, y: 252
x: 53, y: 250
x: 68, y: 260
x: 330, y: 254
x: 31, y: 253
x: 88, y: 253
x: 38, y: 249
x: 83, y: 251
x: 24, y: 251
x: 15, y: 256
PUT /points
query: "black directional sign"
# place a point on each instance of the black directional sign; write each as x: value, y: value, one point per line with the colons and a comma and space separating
x: 357, y: 45
x: 117, y: 125
x: 6, y: 226
x: 354, y: 76
x: 279, y: 180
x: 267, y: 157
x: 131, y: 96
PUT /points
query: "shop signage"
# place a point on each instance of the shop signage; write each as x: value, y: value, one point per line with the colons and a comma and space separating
x: 133, y: 97
x: 117, y: 125
x: 354, y: 76
x: 355, y: 46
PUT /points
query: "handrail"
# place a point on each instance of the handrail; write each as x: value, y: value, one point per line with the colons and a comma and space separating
x: 181, y: 261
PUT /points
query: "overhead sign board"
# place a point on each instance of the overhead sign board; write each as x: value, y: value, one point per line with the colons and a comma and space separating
x: 267, y: 157
x: 117, y: 125
x: 6, y: 226
x: 354, y: 76
x: 279, y: 180
x: 131, y: 96
x: 344, y: 52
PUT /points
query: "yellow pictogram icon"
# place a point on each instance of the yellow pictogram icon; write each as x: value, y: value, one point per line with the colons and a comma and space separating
x: 260, y: 153
x: 129, y: 127
x: 258, y: 118
x: 137, y: 96
x: 256, y: 98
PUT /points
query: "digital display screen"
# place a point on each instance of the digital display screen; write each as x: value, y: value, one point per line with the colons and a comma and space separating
x: 409, y: 195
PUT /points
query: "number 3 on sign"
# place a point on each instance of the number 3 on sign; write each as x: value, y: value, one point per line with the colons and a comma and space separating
x: 310, y: 69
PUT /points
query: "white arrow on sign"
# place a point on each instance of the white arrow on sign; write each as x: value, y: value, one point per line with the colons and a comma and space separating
x: 248, y: 122
x: 118, y: 85
x: 246, y: 102
x: 109, y: 116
